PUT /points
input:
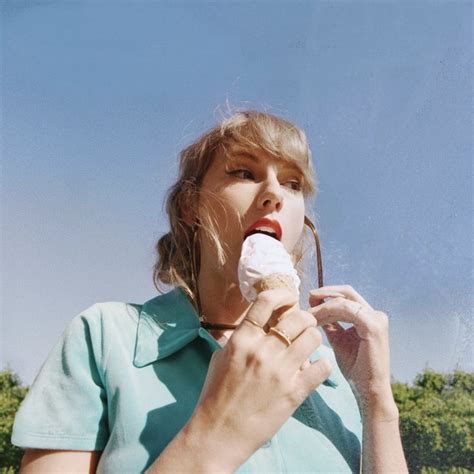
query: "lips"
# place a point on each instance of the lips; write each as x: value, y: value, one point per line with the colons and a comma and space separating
x: 265, y: 226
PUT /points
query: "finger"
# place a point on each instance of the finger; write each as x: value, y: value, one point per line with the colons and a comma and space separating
x: 333, y: 328
x: 345, y: 290
x: 306, y: 364
x: 318, y: 298
x: 341, y: 309
x: 292, y: 326
x: 338, y: 309
x: 279, y: 314
x: 301, y: 348
x: 333, y: 331
x: 262, y: 309
x: 314, y: 375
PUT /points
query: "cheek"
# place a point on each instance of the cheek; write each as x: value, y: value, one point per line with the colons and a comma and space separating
x: 225, y: 211
x: 236, y: 204
x: 295, y: 223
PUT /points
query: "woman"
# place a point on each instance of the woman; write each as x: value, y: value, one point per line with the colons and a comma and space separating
x: 193, y: 380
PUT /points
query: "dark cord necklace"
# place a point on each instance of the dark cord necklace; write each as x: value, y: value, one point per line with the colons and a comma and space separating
x: 208, y: 325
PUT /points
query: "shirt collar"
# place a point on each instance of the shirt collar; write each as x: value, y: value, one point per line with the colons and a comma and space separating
x: 169, y: 322
x: 166, y: 324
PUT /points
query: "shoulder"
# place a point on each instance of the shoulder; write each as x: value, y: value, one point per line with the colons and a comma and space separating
x: 97, y: 329
x: 100, y: 316
x: 110, y: 310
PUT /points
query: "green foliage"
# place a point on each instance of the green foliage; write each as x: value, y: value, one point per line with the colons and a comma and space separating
x: 453, y: 470
x: 437, y: 421
x: 11, y: 395
x: 8, y: 470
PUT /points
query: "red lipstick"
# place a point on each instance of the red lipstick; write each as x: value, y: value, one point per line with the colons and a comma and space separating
x: 268, y: 223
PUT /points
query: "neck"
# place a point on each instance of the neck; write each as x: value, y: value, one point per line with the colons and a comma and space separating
x: 221, y: 300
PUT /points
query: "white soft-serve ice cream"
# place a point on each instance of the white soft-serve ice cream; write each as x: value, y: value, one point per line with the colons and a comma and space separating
x: 265, y: 264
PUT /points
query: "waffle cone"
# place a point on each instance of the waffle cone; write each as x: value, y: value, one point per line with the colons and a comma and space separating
x: 275, y: 280
x: 272, y: 282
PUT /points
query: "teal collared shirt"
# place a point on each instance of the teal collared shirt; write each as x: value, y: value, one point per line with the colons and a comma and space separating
x: 125, y: 378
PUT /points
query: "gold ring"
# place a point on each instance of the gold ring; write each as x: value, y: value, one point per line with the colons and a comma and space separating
x: 280, y: 333
x: 253, y: 322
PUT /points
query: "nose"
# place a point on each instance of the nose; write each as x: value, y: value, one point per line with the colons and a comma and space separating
x: 271, y: 197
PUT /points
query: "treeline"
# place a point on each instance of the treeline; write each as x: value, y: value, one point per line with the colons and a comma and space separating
x: 12, y: 392
x: 436, y: 421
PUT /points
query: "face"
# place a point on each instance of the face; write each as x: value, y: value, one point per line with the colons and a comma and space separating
x: 242, y: 188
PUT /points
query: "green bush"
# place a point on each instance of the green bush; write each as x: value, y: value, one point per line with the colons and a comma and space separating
x: 453, y: 470
x: 11, y: 395
x: 437, y: 421
x: 8, y: 470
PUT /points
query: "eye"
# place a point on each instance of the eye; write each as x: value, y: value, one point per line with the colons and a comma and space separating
x: 294, y: 185
x: 240, y: 173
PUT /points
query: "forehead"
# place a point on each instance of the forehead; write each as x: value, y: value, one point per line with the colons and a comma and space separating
x: 235, y: 153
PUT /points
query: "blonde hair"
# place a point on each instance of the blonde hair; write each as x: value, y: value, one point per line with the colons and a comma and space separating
x: 251, y: 130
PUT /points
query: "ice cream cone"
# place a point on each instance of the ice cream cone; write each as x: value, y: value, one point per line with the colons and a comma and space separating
x: 274, y: 281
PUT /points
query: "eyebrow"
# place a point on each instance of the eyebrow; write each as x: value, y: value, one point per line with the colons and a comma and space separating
x: 243, y: 154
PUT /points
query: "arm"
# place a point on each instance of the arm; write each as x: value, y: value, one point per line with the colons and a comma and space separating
x: 66, y: 402
x: 43, y: 461
x: 363, y: 355
x: 198, y: 449
x: 382, y: 449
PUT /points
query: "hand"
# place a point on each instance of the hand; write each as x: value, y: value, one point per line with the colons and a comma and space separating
x: 362, y: 351
x: 256, y: 381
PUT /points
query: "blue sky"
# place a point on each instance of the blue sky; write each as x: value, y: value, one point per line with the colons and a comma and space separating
x: 98, y: 98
